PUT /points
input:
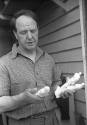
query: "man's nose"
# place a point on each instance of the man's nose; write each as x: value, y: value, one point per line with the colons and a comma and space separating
x: 29, y: 35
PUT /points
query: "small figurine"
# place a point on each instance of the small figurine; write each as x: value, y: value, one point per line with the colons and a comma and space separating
x: 43, y: 92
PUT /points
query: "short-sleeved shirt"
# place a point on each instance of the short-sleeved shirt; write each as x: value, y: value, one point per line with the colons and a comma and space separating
x: 18, y: 72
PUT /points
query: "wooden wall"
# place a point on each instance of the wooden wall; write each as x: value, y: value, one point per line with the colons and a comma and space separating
x: 60, y: 36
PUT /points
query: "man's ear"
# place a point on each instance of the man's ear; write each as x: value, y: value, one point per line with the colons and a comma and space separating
x: 15, y: 34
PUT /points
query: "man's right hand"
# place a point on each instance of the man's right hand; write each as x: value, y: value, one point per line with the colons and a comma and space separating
x: 32, y: 91
x: 37, y: 95
x: 31, y: 96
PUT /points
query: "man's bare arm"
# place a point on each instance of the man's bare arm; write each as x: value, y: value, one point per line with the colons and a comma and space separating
x: 8, y: 103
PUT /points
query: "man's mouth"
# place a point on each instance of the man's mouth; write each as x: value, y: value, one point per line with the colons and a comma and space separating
x: 30, y: 43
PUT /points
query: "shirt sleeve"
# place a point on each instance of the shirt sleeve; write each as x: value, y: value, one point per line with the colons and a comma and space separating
x: 4, y: 81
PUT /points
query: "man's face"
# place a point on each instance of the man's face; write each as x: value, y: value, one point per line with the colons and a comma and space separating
x: 27, y: 33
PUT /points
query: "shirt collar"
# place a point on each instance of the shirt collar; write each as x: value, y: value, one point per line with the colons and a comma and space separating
x: 39, y: 53
x: 16, y: 51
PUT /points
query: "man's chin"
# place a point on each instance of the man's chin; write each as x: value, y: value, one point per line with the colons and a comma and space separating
x: 31, y: 48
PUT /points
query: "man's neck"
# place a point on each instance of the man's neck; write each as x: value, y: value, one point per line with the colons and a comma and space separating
x: 29, y: 53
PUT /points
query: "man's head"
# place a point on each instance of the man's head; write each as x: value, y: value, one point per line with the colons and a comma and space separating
x: 25, y: 28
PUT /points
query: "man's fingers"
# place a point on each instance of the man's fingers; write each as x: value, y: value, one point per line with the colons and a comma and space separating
x: 33, y: 91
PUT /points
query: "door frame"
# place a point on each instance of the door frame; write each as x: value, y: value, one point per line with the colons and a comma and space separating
x: 83, y: 22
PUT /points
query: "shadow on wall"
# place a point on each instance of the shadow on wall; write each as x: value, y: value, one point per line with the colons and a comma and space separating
x: 6, y: 40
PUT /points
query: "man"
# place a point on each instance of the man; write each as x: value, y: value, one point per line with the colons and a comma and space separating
x: 24, y: 71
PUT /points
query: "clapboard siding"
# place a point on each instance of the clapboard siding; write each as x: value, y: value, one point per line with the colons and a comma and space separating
x: 60, y: 36
x: 71, y: 67
x: 79, y: 96
x: 60, y: 22
x: 80, y: 108
x: 68, y: 56
x: 50, y: 11
x: 65, y: 44
x: 63, y: 33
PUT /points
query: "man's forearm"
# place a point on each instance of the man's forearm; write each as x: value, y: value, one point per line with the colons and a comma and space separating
x: 8, y: 103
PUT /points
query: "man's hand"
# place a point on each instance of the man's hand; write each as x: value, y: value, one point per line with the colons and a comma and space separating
x: 32, y: 91
x: 30, y: 95
x: 40, y: 93
x: 33, y: 95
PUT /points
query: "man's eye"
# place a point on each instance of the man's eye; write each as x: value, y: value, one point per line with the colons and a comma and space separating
x: 23, y: 32
x: 33, y: 31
